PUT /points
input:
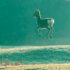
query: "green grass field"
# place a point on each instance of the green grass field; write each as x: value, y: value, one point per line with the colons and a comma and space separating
x: 36, y: 58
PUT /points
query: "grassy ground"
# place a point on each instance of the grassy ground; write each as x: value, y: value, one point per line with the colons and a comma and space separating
x: 39, y: 67
x: 36, y: 58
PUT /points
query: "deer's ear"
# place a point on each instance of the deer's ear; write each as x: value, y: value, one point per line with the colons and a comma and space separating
x: 38, y: 10
x: 35, y: 10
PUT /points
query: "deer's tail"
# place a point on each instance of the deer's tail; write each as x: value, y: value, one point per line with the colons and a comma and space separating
x: 52, y: 21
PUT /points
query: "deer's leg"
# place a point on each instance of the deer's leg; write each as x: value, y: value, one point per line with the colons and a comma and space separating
x: 40, y: 32
x: 51, y: 32
x: 48, y: 33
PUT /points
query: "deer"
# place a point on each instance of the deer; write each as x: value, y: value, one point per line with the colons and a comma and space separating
x: 43, y: 23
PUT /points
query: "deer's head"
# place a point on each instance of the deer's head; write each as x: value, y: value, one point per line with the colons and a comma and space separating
x: 36, y: 13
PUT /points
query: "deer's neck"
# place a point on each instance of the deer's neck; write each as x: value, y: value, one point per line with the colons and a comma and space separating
x: 38, y: 18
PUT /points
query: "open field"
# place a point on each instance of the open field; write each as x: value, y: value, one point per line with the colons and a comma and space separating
x: 36, y: 58
x: 38, y: 67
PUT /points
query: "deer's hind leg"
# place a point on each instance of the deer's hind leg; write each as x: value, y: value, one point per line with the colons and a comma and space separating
x: 51, y: 32
x: 48, y: 32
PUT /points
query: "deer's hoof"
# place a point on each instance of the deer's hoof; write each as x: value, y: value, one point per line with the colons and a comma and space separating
x: 47, y: 37
x: 40, y: 35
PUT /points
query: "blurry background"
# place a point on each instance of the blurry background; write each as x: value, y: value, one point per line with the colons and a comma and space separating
x: 18, y: 27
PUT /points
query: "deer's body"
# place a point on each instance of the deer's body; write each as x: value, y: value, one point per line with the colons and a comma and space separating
x: 46, y: 23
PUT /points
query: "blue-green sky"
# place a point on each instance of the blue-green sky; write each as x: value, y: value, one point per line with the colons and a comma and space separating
x: 18, y: 27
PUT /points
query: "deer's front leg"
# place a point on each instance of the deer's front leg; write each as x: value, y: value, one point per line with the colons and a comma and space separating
x: 51, y: 32
x: 38, y: 31
x: 48, y: 33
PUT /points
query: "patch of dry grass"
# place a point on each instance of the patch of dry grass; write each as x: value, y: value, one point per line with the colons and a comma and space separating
x: 38, y: 67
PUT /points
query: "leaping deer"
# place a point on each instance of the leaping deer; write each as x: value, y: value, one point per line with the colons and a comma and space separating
x: 46, y: 23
